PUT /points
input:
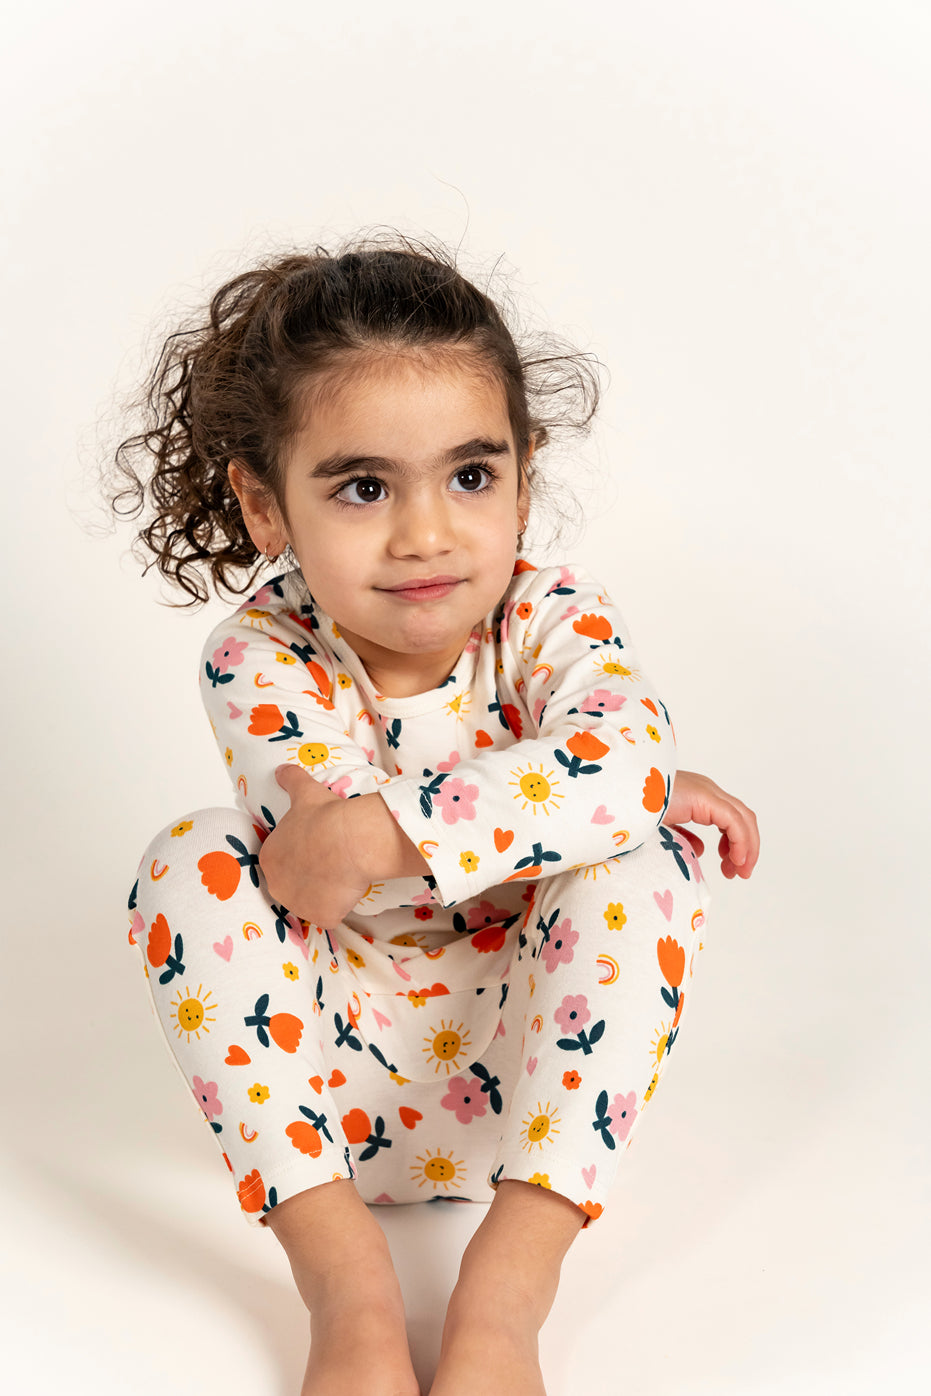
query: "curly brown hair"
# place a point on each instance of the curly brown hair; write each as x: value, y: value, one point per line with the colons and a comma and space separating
x: 233, y: 387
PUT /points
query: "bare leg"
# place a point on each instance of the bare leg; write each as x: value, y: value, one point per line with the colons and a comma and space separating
x: 342, y: 1268
x: 507, y: 1283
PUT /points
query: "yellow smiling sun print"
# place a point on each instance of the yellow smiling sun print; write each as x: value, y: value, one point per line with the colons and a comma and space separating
x: 313, y: 755
x: 192, y: 1012
x: 539, y: 1127
x: 536, y: 789
x: 659, y: 1042
x: 613, y: 669
x: 458, y: 707
x: 446, y: 1046
x: 439, y: 1169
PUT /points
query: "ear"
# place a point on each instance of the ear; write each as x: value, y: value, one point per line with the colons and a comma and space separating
x: 260, y: 512
x: 523, y: 494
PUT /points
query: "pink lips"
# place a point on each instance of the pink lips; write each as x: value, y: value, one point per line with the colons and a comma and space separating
x: 423, y: 588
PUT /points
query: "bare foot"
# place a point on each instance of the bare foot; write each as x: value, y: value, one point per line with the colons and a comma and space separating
x: 342, y: 1268
x: 490, y: 1345
x: 358, y: 1337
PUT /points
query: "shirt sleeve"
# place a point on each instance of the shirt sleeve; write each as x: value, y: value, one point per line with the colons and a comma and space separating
x: 272, y: 697
x: 591, y: 771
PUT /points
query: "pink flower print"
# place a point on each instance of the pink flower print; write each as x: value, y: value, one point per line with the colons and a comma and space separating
x: 456, y: 800
x: 623, y: 1114
x: 572, y: 1014
x: 137, y: 928
x: 506, y: 619
x: 566, y: 579
x: 603, y: 701
x: 691, y: 857
x: 297, y: 934
x: 205, y: 1093
x: 262, y: 596
x: 229, y: 654
x: 486, y: 914
x: 465, y: 1098
x: 558, y: 949
x: 339, y: 787
x: 451, y: 761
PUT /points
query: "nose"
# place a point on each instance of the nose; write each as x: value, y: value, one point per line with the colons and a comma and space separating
x: 422, y: 527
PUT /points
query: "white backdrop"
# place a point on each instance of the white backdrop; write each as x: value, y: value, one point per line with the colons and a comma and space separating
x: 728, y: 202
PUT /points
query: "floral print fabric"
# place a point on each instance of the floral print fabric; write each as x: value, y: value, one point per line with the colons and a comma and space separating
x: 508, y: 1015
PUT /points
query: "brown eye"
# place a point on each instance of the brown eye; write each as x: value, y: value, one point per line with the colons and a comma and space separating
x: 472, y: 478
x: 361, y: 492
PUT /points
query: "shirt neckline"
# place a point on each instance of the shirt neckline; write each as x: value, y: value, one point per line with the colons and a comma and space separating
x: 414, y: 704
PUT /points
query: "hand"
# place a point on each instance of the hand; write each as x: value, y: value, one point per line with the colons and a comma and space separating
x: 310, y: 859
x: 697, y: 800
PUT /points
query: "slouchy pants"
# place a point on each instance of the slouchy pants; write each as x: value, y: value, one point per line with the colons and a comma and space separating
x: 260, y: 1011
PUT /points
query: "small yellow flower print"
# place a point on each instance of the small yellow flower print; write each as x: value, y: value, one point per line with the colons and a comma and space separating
x: 291, y: 971
x: 179, y: 831
x: 614, y: 915
x: 229, y: 755
x: 344, y: 680
x: 542, y: 1180
x: 469, y: 861
x: 355, y: 958
x: 652, y: 733
x: 258, y: 1094
x: 283, y: 658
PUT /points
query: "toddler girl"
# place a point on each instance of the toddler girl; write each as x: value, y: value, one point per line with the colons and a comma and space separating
x: 443, y: 947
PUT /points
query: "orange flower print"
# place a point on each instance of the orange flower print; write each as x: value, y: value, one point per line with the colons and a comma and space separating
x: 593, y: 1211
x: 286, y: 1031
x: 321, y: 679
x: 251, y: 1192
x: 159, y: 946
x: 356, y: 1126
x: 571, y: 1080
x: 671, y: 958
x: 586, y: 746
x: 679, y: 1007
x: 305, y: 1138
x: 654, y: 792
x: 285, y: 1028
x: 488, y: 940
x: 219, y: 872
x: 595, y: 627
x: 265, y: 719
x: 524, y: 610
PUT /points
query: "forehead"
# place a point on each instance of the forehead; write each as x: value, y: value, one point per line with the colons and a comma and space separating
x: 411, y: 408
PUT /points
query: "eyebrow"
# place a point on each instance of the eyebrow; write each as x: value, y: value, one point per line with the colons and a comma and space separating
x: 340, y: 464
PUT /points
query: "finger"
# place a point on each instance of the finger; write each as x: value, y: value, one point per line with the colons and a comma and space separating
x: 289, y: 776
x: 698, y: 845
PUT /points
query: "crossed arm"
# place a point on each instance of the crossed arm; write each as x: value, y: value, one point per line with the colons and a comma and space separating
x: 326, y: 851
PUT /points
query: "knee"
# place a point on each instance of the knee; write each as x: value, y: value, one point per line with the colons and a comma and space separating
x: 206, y: 846
x: 655, y: 888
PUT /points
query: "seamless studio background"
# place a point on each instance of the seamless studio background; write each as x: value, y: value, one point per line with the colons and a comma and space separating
x: 728, y: 204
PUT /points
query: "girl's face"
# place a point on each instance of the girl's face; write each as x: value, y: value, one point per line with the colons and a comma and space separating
x: 403, y: 507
